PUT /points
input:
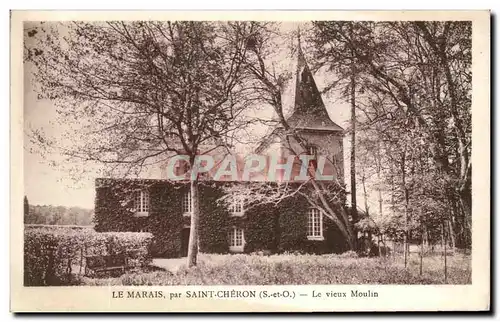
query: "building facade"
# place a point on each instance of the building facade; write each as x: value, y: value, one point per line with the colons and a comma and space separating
x: 237, y: 225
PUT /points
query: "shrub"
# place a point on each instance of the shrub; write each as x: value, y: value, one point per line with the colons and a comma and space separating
x: 51, y: 254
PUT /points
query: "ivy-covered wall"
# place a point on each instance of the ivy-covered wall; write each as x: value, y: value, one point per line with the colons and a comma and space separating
x: 214, y: 220
x: 165, y: 218
x: 275, y: 228
x: 261, y: 229
x: 114, y: 211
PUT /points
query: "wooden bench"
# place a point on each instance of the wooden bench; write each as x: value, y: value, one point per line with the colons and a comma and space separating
x: 108, y: 263
x: 105, y: 263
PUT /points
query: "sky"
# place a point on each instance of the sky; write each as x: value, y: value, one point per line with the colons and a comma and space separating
x: 44, y: 183
x: 47, y: 182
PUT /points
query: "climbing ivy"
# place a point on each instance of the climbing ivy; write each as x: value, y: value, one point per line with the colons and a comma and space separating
x: 267, y: 227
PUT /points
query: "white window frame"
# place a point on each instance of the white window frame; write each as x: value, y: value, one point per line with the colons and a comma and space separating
x: 142, y: 203
x: 311, y: 221
x: 232, y: 237
x: 312, y: 150
x: 235, y: 200
x: 189, y: 202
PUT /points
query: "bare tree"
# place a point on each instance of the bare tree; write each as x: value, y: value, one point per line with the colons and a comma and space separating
x: 268, y: 84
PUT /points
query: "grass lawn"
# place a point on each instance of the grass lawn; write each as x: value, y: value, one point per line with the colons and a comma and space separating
x: 301, y: 269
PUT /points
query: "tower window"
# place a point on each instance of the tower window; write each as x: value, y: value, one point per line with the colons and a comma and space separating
x: 312, y: 150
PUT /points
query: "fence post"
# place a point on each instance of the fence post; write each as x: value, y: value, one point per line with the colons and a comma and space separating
x: 443, y: 238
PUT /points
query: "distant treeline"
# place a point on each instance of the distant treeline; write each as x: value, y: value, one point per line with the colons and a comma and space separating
x: 58, y: 215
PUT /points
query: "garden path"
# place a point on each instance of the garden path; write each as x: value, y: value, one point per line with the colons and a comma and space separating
x: 169, y: 264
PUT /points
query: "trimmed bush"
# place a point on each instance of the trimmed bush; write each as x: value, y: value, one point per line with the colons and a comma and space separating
x: 51, y: 255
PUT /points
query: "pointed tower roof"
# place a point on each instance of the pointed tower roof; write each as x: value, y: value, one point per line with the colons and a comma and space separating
x: 309, y: 111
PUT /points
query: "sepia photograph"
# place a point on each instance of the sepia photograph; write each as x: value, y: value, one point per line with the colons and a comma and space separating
x: 246, y: 152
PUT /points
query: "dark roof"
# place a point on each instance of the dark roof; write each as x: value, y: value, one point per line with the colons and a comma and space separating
x: 309, y: 111
x: 312, y: 122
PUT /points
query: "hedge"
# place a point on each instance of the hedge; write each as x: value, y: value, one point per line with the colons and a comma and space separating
x: 52, y: 254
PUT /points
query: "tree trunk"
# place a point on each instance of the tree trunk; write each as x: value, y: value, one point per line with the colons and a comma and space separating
x: 422, y: 230
x: 407, y: 201
x: 195, y: 219
x: 421, y: 250
x: 452, y: 236
x: 379, y: 248
x: 380, y: 202
x: 443, y: 239
x: 354, y: 212
x: 387, y: 251
x: 464, y: 210
x: 378, y: 160
x: 365, y: 194
x: 426, y: 240
x: 405, y: 248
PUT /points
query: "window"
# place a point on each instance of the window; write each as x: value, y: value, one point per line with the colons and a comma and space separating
x: 141, y: 203
x: 313, y: 150
x: 171, y: 135
x: 181, y: 168
x: 236, y: 240
x: 203, y: 175
x: 186, y: 204
x: 315, y: 224
x: 237, y: 205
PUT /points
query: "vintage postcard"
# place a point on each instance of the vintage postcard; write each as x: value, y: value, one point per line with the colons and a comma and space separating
x: 250, y: 161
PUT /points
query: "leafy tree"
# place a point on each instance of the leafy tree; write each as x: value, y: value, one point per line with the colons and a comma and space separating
x: 138, y: 93
x: 413, y: 97
x: 52, y: 215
